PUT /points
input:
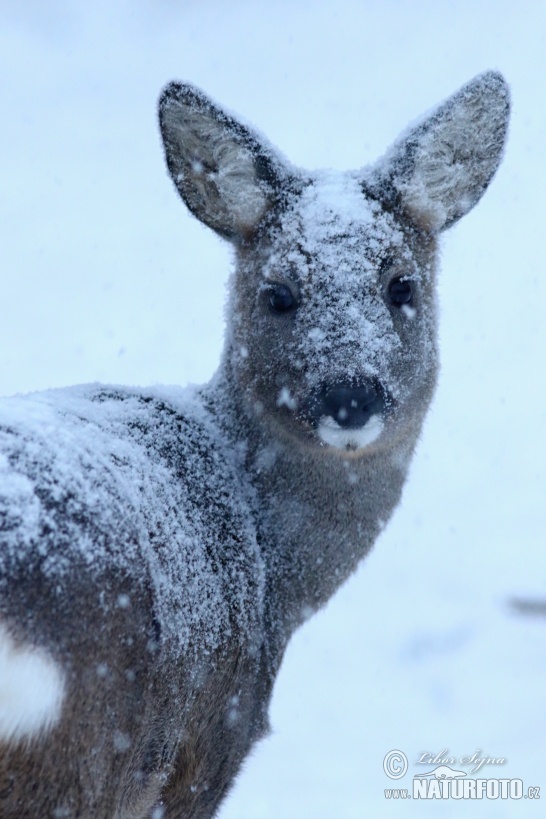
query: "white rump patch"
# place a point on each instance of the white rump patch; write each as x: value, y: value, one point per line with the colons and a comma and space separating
x: 31, y: 689
x: 350, y: 439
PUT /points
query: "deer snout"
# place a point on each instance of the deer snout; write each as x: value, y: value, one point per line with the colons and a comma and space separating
x: 349, y: 417
x: 351, y: 407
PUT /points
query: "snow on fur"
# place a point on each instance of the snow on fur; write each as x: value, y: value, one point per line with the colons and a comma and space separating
x: 335, y: 240
x: 104, y: 477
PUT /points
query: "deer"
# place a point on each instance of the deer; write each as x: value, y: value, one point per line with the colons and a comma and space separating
x: 159, y: 546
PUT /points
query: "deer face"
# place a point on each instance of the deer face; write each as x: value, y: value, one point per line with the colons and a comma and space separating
x: 331, y: 334
x: 333, y: 320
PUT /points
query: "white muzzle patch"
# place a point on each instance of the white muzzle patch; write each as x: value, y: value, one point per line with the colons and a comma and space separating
x: 32, y: 689
x: 349, y: 439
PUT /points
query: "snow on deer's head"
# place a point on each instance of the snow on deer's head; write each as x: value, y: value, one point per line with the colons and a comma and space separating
x: 332, y: 319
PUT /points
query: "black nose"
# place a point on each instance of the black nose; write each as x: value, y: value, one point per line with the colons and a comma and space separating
x: 350, y: 406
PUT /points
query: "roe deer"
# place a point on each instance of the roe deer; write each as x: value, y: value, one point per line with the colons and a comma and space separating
x: 159, y: 547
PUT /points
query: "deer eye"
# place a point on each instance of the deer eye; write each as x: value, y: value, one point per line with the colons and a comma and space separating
x: 400, y: 292
x: 281, y: 298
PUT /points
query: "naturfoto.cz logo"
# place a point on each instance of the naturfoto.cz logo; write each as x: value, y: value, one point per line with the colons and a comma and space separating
x: 445, y: 782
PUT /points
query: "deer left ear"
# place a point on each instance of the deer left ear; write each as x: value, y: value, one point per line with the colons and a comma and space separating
x: 224, y: 173
x: 438, y: 171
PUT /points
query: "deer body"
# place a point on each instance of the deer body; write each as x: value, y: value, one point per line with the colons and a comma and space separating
x: 158, y: 548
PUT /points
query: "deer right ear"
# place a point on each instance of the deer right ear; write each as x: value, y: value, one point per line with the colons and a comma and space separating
x: 439, y: 170
x: 226, y: 177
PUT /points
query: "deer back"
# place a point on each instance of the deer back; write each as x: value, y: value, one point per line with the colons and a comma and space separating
x: 131, y: 586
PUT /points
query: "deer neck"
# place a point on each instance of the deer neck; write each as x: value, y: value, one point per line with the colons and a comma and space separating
x: 317, y: 513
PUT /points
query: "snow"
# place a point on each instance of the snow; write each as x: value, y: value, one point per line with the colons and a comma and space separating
x: 94, y: 482
x: 332, y: 238
x: 106, y: 278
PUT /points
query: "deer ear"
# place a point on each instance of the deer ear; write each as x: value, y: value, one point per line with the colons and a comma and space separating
x: 224, y: 174
x: 439, y: 170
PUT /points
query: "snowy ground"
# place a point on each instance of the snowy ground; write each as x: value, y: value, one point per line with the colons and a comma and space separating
x: 106, y: 277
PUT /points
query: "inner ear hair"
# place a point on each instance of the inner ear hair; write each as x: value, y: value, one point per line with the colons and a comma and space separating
x: 224, y: 173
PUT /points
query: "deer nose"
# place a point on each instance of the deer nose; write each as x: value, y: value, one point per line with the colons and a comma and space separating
x: 350, y: 406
